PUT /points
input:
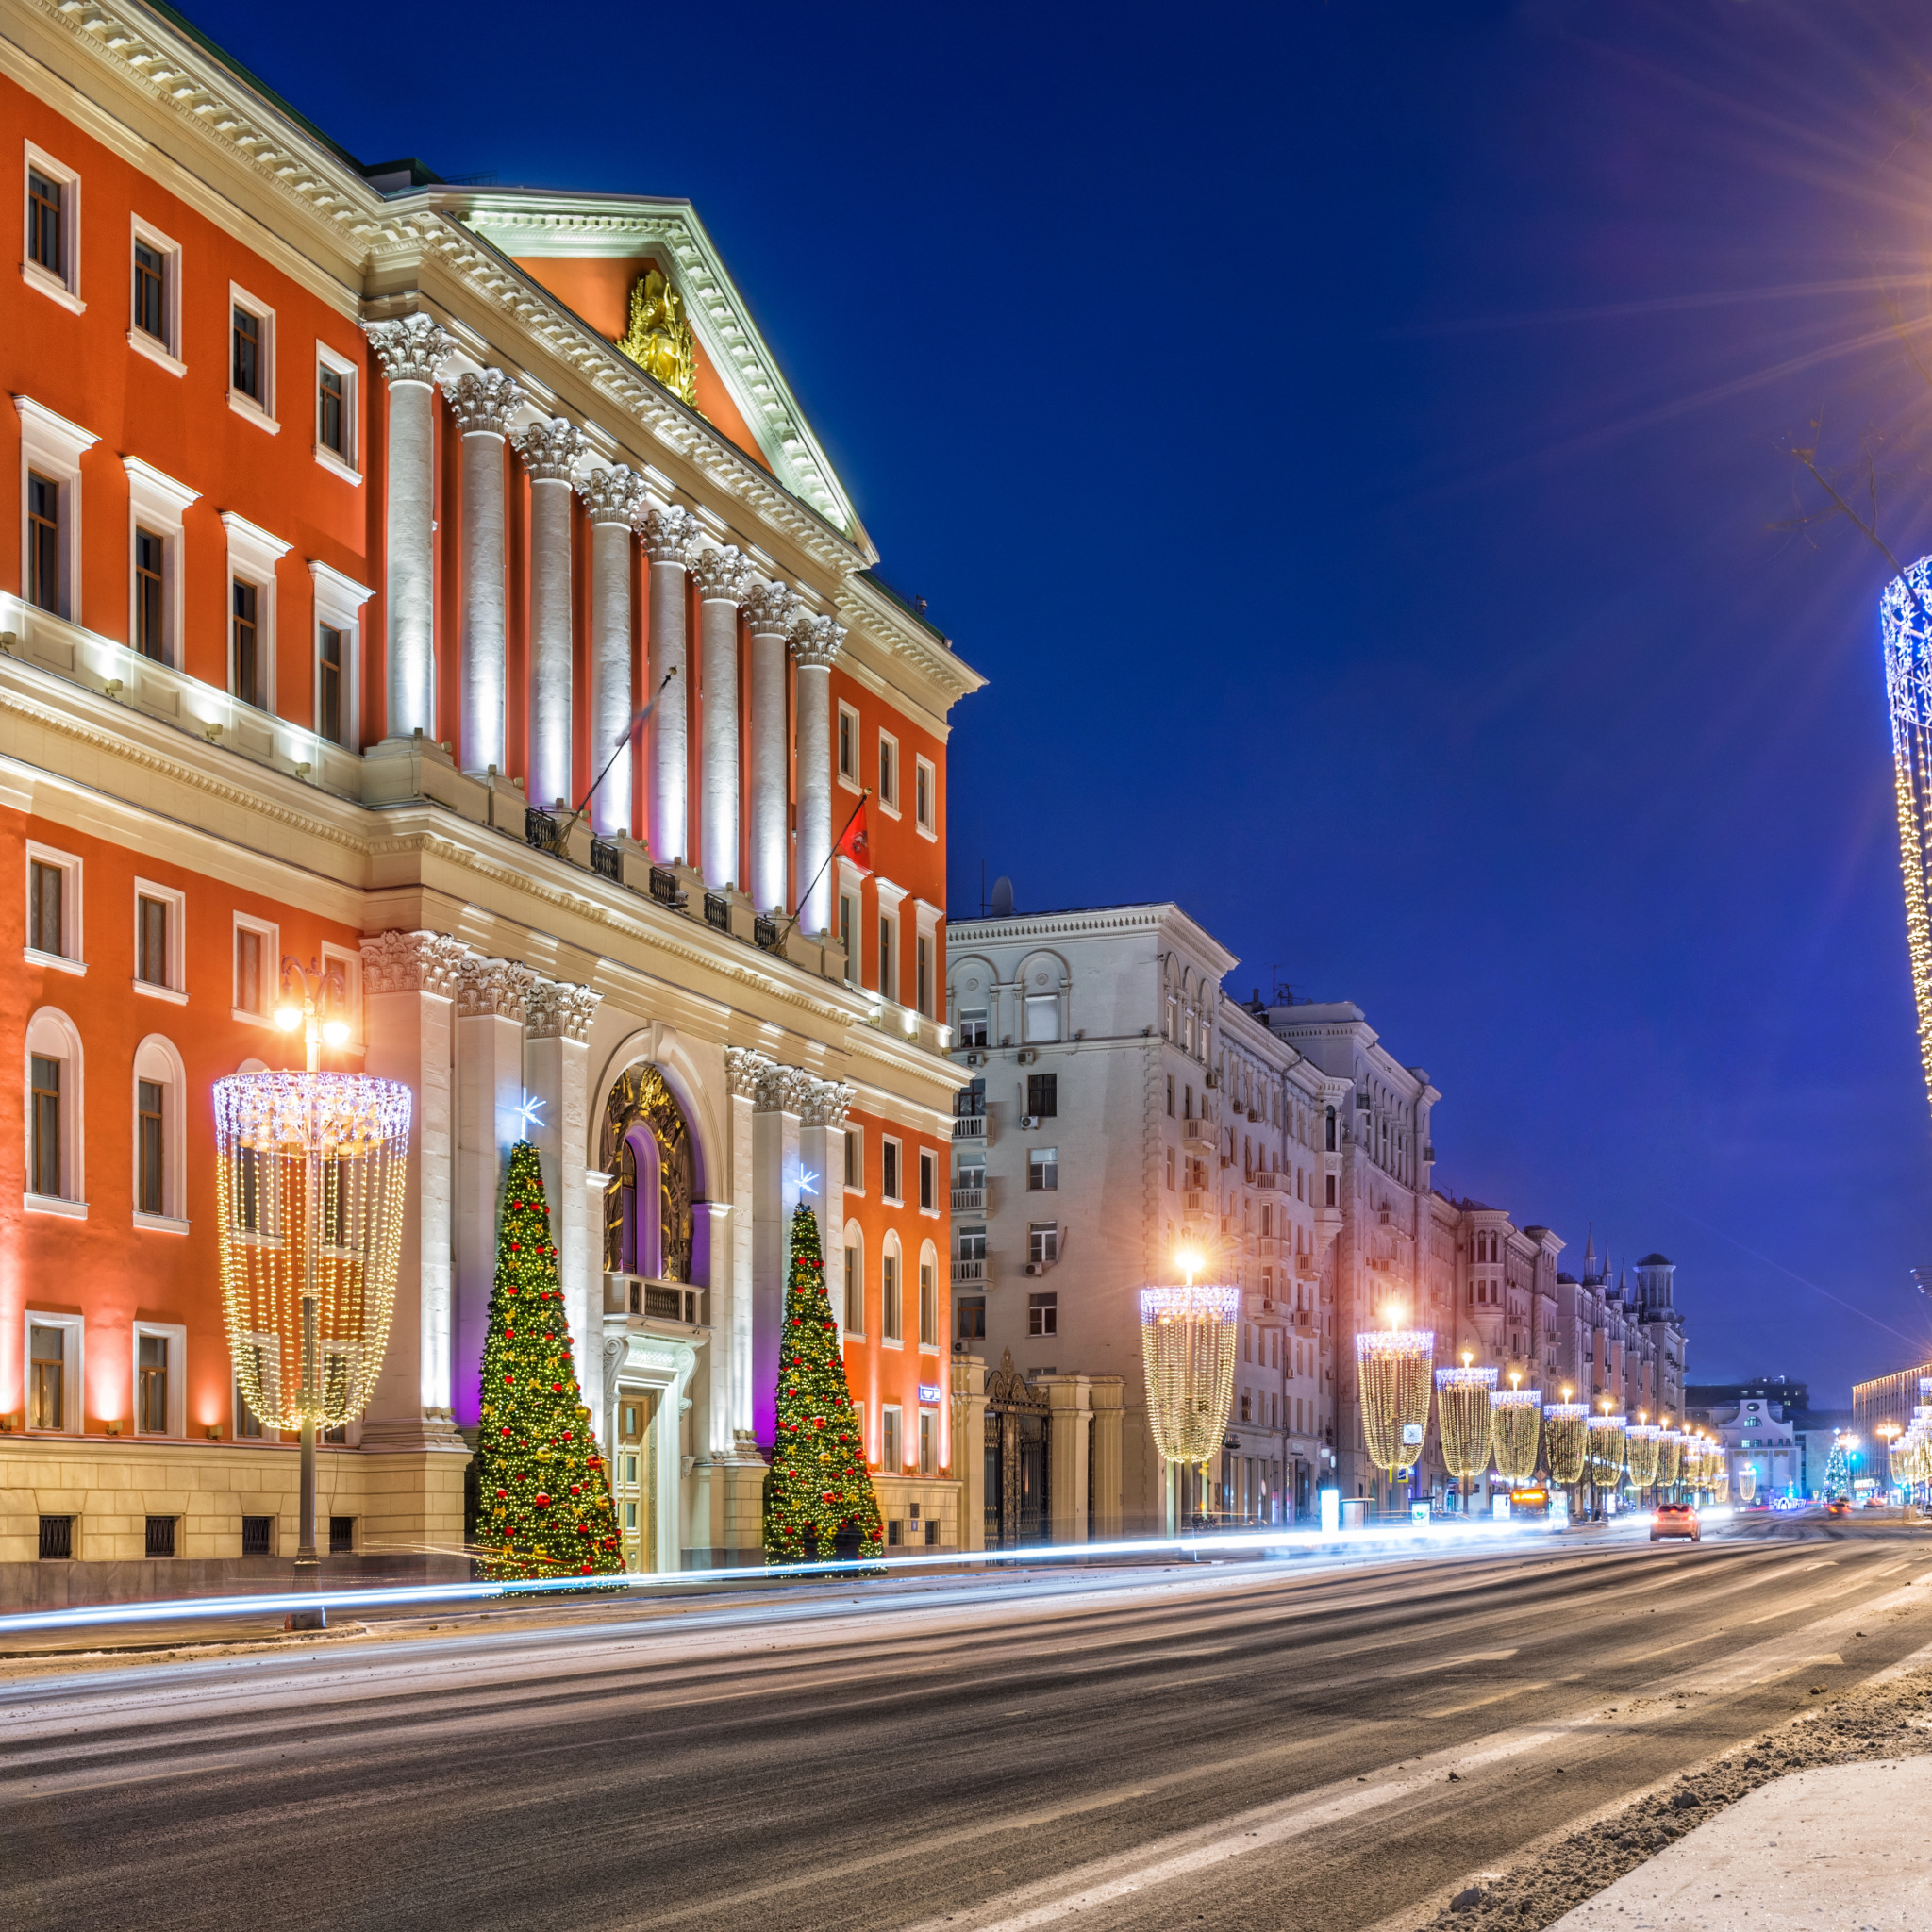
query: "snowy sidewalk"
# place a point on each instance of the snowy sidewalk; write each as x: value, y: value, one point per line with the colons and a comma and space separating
x: 1847, y: 1848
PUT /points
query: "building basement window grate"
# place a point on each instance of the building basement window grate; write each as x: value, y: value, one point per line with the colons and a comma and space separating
x: 256, y: 1533
x: 342, y: 1536
x: 160, y: 1536
x: 57, y: 1538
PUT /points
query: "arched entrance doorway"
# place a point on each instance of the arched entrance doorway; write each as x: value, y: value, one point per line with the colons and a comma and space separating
x: 646, y: 1149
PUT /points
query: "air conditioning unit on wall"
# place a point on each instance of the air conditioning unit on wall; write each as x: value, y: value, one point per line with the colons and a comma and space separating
x: 1028, y: 1121
x: 1026, y: 1055
x: 1036, y: 1267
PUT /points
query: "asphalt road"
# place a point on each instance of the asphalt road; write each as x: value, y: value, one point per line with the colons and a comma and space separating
x: 1221, y: 1746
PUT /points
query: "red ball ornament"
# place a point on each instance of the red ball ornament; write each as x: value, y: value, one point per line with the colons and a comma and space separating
x: 509, y: 1379
x: 576, y: 1489
x: 501, y: 1494
x: 516, y: 1247
x: 542, y: 1501
x: 505, y: 1430
x: 556, y: 1387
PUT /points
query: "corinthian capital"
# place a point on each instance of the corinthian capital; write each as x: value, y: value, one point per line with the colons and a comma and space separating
x: 550, y: 450
x: 723, y: 575
x: 611, y: 495
x: 560, y: 1011
x: 667, y: 535
x: 770, y: 608
x: 412, y: 347
x: 817, y: 639
x: 492, y: 988
x: 745, y: 1069
x: 784, y: 1090
x: 411, y: 962
x: 484, y: 403
x: 827, y: 1104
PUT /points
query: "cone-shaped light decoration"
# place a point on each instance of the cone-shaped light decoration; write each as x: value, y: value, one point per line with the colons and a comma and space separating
x: 309, y: 1185
x: 1566, y: 1440
x: 1640, y: 1453
x: 1906, y: 614
x: 1516, y: 1430
x: 1747, y: 1481
x: 1392, y: 1372
x: 1607, y: 1450
x: 1670, y: 1465
x: 1187, y: 1348
x: 1462, y: 1416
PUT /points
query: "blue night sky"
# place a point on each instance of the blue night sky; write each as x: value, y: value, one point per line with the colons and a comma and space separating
x: 1353, y: 440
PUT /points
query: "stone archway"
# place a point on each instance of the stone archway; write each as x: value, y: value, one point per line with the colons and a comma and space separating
x: 647, y: 1205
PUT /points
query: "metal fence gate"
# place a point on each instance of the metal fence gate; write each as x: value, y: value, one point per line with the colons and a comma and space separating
x: 1017, y: 1436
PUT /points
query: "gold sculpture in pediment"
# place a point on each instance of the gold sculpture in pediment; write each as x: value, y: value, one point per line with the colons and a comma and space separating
x: 659, y: 339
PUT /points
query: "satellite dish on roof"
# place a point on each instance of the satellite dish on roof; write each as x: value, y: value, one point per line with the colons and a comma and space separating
x: 1002, y: 903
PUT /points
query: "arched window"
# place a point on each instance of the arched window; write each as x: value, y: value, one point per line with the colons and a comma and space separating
x: 892, y: 1313
x: 855, y: 1281
x: 55, y: 1115
x: 645, y: 1146
x: 929, y: 1295
x: 160, y: 1135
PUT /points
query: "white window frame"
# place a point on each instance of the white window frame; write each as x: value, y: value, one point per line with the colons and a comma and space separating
x: 52, y: 1035
x: 889, y: 800
x: 925, y: 783
x: 272, y: 969
x: 176, y: 991
x: 54, y: 446
x: 855, y: 1140
x: 1042, y: 1235
x: 253, y: 554
x: 168, y: 354
x: 892, y: 1259
x: 929, y: 1440
x: 73, y: 1361
x: 848, y: 715
x: 158, y: 1050
x: 889, y: 899
x: 891, y: 1439
x: 930, y: 1168
x: 348, y: 465
x: 63, y: 290
x: 898, y: 1144
x: 175, y: 1336
x: 351, y: 965
x: 854, y: 1244
x: 337, y: 603
x: 927, y: 918
x: 928, y: 1270
x: 158, y: 504
x: 262, y: 414
x: 72, y: 897
x: 1034, y: 1164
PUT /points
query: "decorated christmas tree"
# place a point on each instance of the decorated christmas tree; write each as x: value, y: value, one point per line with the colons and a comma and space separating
x: 818, y: 1489
x: 1837, y: 1471
x: 542, y: 1486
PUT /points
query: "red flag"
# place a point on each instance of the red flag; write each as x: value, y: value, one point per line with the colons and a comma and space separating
x: 853, y: 842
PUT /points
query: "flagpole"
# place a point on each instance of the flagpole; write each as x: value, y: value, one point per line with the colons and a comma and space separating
x: 560, y: 840
x: 791, y: 917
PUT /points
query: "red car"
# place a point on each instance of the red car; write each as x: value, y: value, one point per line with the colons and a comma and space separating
x: 1675, y: 1519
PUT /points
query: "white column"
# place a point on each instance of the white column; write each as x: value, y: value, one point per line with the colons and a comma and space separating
x: 611, y: 497
x: 491, y: 996
x: 753, y: 1408
x: 822, y: 1177
x: 782, y: 1092
x: 556, y: 1063
x: 667, y: 535
x: 483, y: 404
x: 724, y: 578
x: 768, y: 611
x: 409, y: 984
x: 411, y: 350
x: 815, y: 643
x: 550, y: 451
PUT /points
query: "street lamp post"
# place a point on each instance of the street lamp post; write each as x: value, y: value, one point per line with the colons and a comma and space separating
x: 1187, y: 1349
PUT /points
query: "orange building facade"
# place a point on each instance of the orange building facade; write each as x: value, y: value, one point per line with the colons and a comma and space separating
x: 359, y: 516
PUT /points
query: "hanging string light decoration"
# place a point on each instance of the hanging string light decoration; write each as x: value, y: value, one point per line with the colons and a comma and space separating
x: 1720, y: 1475
x: 1462, y: 1417
x: 1187, y: 1348
x: 1670, y: 1458
x: 1905, y: 620
x: 1606, y: 1451
x: 1393, y: 1372
x: 309, y: 1169
x: 1747, y: 1481
x: 1640, y: 1441
x: 1516, y: 1432
x: 1566, y: 1440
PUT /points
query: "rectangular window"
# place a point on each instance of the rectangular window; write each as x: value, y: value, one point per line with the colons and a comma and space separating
x: 258, y: 1534
x: 921, y: 974
x: 46, y: 899
x: 151, y: 1395
x: 928, y: 1446
x: 1043, y: 1314
x: 46, y: 1389
x: 972, y: 1244
x: 1042, y: 1095
x: 1042, y: 1016
x: 254, y: 970
x: 43, y: 543
x: 245, y: 374
x: 342, y: 1536
x: 46, y: 224
x: 150, y: 601
x: 151, y: 961
x: 972, y: 1023
x: 889, y: 984
x: 848, y: 743
x: 151, y: 291
x: 889, y: 772
x: 925, y: 787
x: 889, y: 1170
x: 332, y: 411
x: 1044, y: 1243
x: 148, y: 1152
x: 889, y: 1444
x: 160, y: 1536
x: 848, y: 929
x: 1331, y: 1191
x: 44, y: 1165
x: 929, y: 1305
x: 1043, y: 1169
x: 855, y: 1290
x: 328, y: 718
x: 1169, y: 1167
x: 57, y: 1539
x: 855, y: 1158
x: 247, y: 1424
x: 889, y: 1326
x: 245, y: 659
x: 969, y: 1317
x: 928, y: 1180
